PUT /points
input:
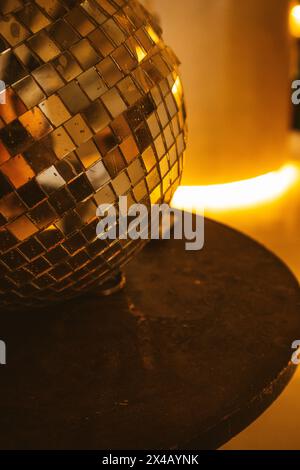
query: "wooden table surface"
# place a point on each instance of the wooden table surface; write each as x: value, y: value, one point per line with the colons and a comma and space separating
x: 193, y: 350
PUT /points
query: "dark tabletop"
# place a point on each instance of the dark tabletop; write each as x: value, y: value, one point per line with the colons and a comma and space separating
x: 194, y: 348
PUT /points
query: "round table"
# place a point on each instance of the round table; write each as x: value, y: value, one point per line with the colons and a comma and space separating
x: 195, y: 347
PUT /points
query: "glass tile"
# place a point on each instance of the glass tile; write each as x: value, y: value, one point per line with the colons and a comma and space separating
x: 114, y: 103
x: 4, y: 154
x: 135, y: 172
x: 31, y: 248
x: 124, y: 23
x: 50, y: 237
x: 164, y: 87
x: 149, y: 159
x: 22, y: 228
x: 93, y: 11
x: 5, y: 186
x: 74, y: 243
x: 106, y: 141
x: 169, y: 139
x: 38, y: 266
x: 109, y: 71
x: 85, y: 54
x: 105, y: 196
x: 43, y: 46
x: 143, y: 137
x: 142, y: 79
x: 67, y: 95
x: 134, y: 116
x: 164, y: 167
x: 63, y: 34
x: 140, y: 191
x: 61, y: 201
x: 53, y: 8
x: 113, y: 31
x: 56, y: 255
x: 144, y: 39
x: 96, y: 116
x: 129, y: 91
x: 124, y: 59
x: 69, y: 167
x: 35, y: 123
x: 43, y: 215
x: 87, y: 210
x: 67, y: 66
x: 60, y: 142
x: 121, y: 128
x: 11, y: 206
x: 7, y: 240
x: 162, y: 115
x: 48, y: 79
x: 129, y: 149
x: 55, y: 110
x: 32, y: 17
x: 27, y: 57
x: 153, y: 125
x: 78, y: 130
x: 80, y: 21
x: 170, y: 104
x: 15, y: 137
x: 31, y: 194
x: 101, y: 43
x: 121, y: 184
x: 114, y: 162
x: 7, y: 6
x: 153, y: 179
x: 13, y: 108
x: 50, y: 180
x: 12, y: 30
x: 97, y: 175
x: 80, y: 188
x: 106, y: 6
x: 160, y: 147
x: 79, y: 260
x: 70, y: 223
x: 39, y: 157
x: 92, y: 84
x: 29, y: 92
x: 13, y: 259
x: 88, y: 153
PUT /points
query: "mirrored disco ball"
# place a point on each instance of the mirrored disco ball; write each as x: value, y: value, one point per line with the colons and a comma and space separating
x: 91, y: 109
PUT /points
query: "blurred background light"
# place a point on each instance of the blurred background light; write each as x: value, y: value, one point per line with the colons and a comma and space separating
x: 294, y: 19
x: 236, y: 195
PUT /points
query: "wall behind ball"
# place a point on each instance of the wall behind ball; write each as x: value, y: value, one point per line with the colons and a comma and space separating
x: 235, y: 66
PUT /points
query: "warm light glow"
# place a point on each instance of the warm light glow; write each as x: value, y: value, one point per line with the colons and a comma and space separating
x: 152, y: 34
x: 295, y: 21
x: 177, y: 91
x: 140, y: 53
x: 246, y: 193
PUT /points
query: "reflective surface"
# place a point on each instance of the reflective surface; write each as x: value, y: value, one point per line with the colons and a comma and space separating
x: 94, y: 110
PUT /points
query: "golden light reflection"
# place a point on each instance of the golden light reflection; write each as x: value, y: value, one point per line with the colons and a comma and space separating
x: 152, y: 34
x: 140, y: 53
x: 240, y: 194
x: 177, y: 91
x: 295, y: 21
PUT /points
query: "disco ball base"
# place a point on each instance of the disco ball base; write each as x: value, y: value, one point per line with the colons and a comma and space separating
x: 94, y: 109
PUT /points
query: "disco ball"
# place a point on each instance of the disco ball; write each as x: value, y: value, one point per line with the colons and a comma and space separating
x: 91, y: 108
